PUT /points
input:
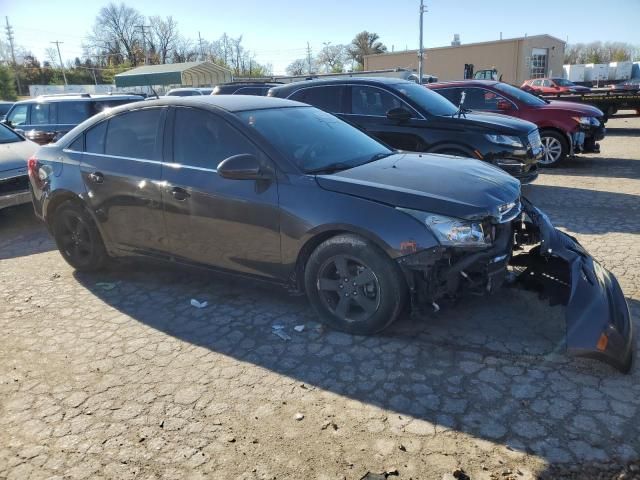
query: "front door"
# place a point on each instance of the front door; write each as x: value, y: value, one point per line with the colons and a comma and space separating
x: 230, y: 224
x: 121, y: 169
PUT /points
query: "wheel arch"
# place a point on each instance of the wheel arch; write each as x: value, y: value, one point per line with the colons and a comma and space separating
x: 57, y: 199
x: 447, y: 145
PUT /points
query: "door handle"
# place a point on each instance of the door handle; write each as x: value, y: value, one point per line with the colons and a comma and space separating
x: 96, y: 177
x: 180, y: 194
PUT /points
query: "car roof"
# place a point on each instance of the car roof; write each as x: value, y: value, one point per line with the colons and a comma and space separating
x: 341, y: 81
x: 462, y: 83
x: 230, y: 103
x: 78, y: 98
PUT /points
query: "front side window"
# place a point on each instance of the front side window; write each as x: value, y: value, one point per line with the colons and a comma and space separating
x: 451, y: 94
x: 40, y: 114
x: 314, y: 140
x: 328, y: 98
x: 481, y: 99
x: 260, y: 91
x: 18, y: 115
x: 373, y: 101
x: 134, y: 134
x: 427, y: 99
x: 518, y: 94
x: 202, y: 139
x: 72, y: 113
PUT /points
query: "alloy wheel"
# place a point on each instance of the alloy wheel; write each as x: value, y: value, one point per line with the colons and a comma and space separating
x: 348, y: 288
x: 75, y: 238
x: 552, y: 150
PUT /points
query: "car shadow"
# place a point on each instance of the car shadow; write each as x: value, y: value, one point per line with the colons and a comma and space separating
x: 22, y: 233
x: 474, y: 367
x: 580, y: 210
x: 593, y: 165
x: 623, y: 131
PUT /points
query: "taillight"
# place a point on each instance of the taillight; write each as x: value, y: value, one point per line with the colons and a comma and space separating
x: 32, y: 167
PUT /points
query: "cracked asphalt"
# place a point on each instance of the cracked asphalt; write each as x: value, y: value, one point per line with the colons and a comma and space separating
x: 116, y: 375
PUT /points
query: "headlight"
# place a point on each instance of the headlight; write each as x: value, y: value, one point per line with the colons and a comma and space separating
x: 504, y: 140
x: 451, y: 231
x: 587, y: 121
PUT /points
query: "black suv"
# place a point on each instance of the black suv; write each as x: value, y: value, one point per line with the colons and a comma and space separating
x: 46, y: 118
x: 244, y: 88
x: 409, y: 117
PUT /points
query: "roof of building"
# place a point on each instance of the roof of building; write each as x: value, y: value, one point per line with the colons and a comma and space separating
x: 528, y: 37
x: 188, y: 74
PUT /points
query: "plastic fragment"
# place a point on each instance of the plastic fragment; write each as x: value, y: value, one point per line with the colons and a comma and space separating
x: 299, y: 328
x: 197, y: 304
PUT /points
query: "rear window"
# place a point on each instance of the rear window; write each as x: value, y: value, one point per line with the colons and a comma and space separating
x: 72, y: 113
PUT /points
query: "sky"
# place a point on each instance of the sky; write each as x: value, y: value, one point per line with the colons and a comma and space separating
x: 278, y: 30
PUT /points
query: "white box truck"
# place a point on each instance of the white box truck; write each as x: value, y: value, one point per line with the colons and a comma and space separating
x: 596, y: 73
x: 574, y: 73
x: 620, y: 70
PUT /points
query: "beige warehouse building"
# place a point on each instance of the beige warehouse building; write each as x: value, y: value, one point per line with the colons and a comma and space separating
x: 516, y: 59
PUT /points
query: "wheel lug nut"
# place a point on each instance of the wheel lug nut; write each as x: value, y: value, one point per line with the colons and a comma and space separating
x: 355, y: 293
x: 346, y: 294
x: 354, y: 284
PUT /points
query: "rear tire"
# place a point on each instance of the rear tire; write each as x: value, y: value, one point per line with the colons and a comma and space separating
x: 556, y: 148
x: 78, y: 238
x: 354, y: 286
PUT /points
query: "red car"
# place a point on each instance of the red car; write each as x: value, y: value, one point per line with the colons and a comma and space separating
x: 549, y: 86
x: 565, y: 128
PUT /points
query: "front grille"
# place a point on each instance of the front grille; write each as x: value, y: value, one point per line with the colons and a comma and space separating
x: 509, y: 211
x: 14, y: 185
x: 534, y: 139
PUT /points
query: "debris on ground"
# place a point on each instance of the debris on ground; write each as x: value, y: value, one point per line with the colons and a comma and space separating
x: 299, y: 416
x: 278, y: 330
x: 197, y: 304
x: 381, y: 476
x: 299, y: 328
x: 106, y: 285
x: 55, y: 275
x: 460, y: 474
x: 326, y: 425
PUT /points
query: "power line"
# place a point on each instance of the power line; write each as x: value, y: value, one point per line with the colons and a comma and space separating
x: 61, y: 64
x: 13, y: 54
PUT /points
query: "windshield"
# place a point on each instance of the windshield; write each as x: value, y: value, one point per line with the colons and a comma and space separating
x: 314, y: 140
x: 563, y: 83
x: 520, y: 95
x: 8, y: 136
x: 432, y: 102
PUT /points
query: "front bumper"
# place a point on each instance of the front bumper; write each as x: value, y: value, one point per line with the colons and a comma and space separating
x: 13, y: 199
x: 519, y: 163
x: 14, y: 191
x: 597, y: 316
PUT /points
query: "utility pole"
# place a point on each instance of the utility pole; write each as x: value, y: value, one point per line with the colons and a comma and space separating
x: 60, y: 58
x: 326, y: 52
x: 13, y: 55
x: 144, y: 41
x: 421, y: 50
x: 309, y: 57
x: 200, y: 43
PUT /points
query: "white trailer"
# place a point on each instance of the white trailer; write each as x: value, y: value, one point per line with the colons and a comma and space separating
x: 574, y: 73
x: 619, y: 71
x: 596, y: 73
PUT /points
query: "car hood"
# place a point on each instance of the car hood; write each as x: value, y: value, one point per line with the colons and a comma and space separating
x: 441, y: 184
x: 496, y: 122
x: 578, y: 108
x: 14, y: 156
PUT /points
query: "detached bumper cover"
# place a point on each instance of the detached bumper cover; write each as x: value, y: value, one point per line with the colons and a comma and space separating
x: 597, y: 316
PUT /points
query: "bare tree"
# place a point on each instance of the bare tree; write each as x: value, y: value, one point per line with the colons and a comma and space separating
x: 184, y: 50
x: 365, y: 43
x: 297, y: 67
x: 332, y: 58
x: 163, y: 35
x: 598, y: 52
x: 115, y: 31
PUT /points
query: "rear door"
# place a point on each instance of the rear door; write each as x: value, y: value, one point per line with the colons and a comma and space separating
x: 230, y: 224
x: 122, y: 171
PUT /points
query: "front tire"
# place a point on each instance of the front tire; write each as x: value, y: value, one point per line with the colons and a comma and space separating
x: 78, y: 238
x: 556, y: 148
x: 354, y: 286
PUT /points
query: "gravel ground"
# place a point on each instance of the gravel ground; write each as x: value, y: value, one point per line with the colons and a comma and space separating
x: 116, y: 375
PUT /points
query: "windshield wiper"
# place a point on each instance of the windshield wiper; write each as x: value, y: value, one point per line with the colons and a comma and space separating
x: 379, y: 156
x: 332, y: 167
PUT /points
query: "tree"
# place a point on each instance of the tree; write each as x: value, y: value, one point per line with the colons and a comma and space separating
x: 365, y: 43
x: 297, y: 67
x: 115, y: 31
x: 163, y: 35
x: 184, y: 50
x: 598, y: 52
x: 332, y: 58
x: 7, y: 85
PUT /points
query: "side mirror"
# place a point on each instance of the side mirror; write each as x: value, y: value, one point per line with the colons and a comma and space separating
x: 399, y: 114
x: 7, y: 122
x: 504, y: 105
x: 241, y: 167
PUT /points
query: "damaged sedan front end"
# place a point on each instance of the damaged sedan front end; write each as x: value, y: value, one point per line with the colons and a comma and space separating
x: 519, y: 246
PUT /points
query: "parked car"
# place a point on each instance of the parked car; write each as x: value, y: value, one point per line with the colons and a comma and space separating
x: 409, y: 117
x: 4, y: 108
x: 15, y: 150
x: 286, y: 192
x: 547, y: 86
x: 566, y: 128
x: 633, y: 84
x: 188, y: 92
x: 243, y: 88
x: 46, y: 118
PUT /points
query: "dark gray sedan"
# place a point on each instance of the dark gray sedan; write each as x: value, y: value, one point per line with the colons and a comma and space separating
x: 279, y: 190
x: 15, y: 150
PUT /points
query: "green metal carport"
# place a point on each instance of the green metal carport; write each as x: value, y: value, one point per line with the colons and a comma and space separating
x: 188, y: 74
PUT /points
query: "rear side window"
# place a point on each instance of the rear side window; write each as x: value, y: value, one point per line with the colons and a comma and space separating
x: 202, y: 139
x: 327, y: 98
x: 372, y: 101
x: 134, y: 134
x: 94, y: 138
x: 251, y: 91
x: 40, y: 114
x: 72, y: 113
x: 104, y: 104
